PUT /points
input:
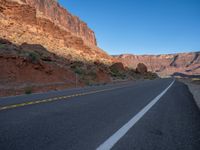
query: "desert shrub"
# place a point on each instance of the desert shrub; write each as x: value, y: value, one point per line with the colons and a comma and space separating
x: 92, y: 75
x: 2, y: 46
x: 78, y: 70
x: 34, y: 57
x: 88, y: 83
x: 114, y: 71
x: 151, y: 76
x: 28, y: 90
x: 88, y: 77
x: 117, y: 74
x: 78, y: 67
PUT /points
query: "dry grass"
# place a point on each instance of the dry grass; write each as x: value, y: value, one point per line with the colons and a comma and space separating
x: 195, y: 81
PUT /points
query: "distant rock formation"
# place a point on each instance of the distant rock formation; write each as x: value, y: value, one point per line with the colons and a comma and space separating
x: 165, y: 65
x: 46, y: 23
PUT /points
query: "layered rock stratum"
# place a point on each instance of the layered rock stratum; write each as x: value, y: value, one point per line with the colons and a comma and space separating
x: 166, y: 65
x: 46, y: 23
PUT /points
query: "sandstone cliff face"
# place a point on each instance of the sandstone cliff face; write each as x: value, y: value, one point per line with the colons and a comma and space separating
x: 52, y: 11
x: 46, y: 23
x: 165, y: 65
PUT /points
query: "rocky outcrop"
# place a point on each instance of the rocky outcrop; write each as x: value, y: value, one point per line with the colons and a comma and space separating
x: 141, y: 68
x: 118, y: 66
x: 46, y: 23
x: 165, y: 65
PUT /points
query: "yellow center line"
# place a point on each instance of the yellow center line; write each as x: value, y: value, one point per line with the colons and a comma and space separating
x: 55, y: 99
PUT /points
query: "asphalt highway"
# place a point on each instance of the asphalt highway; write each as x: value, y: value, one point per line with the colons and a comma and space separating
x: 144, y: 115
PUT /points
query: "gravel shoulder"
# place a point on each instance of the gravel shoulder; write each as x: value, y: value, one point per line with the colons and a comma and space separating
x: 194, y: 87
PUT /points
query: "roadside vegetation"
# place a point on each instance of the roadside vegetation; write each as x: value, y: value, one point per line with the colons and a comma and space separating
x: 1, y: 46
x: 38, y: 64
x: 150, y: 76
x: 115, y: 73
x: 28, y: 90
x: 33, y: 57
x: 195, y: 81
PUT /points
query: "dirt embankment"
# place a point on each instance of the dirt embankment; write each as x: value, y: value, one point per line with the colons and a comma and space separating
x: 31, y: 68
x: 28, y: 68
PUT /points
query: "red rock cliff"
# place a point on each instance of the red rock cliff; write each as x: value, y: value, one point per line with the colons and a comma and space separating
x: 60, y: 16
x: 46, y: 23
x: 165, y: 65
x: 50, y: 9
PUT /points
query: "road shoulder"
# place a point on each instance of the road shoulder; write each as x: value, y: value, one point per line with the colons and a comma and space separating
x: 194, y: 88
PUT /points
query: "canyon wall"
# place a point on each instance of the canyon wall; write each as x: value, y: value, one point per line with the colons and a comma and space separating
x: 51, y: 10
x: 46, y: 23
x: 166, y: 65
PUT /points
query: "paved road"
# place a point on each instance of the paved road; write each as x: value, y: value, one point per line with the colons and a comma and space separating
x: 146, y: 115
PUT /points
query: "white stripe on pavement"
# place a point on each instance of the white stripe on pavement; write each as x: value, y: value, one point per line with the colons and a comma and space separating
x: 111, y: 141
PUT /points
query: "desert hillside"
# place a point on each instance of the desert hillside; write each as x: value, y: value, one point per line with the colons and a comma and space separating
x: 183, y: 64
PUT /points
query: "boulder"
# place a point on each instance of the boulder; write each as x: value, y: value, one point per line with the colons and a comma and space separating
x: 141, y: 68
x: 118, y: 67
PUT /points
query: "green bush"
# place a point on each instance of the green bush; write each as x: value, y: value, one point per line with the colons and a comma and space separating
x: 34, y: 57
x: 78, y: 70
x: 151, y: 76
x: 28, y: 90
x: 115, y: 73
x: 88, y: 83
x: 2, y: 46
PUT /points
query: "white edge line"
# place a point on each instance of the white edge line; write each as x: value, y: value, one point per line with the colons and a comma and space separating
x: 111, y: 141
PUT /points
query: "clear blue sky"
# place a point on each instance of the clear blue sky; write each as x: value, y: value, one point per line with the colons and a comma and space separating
x: 141, y: 26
